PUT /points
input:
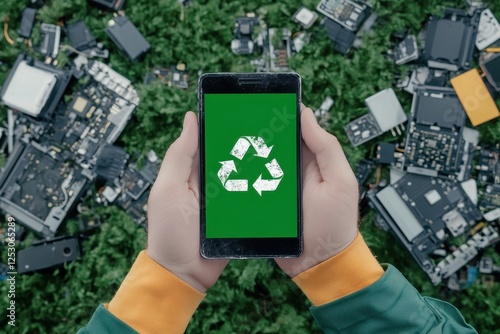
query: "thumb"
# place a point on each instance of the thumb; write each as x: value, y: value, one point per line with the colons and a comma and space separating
x: 329, y: 155
x: 178, y: 161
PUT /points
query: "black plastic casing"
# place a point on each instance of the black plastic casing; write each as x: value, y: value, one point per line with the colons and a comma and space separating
x: 250, y: 83
x: 48, y: 254
x: 127, y: 38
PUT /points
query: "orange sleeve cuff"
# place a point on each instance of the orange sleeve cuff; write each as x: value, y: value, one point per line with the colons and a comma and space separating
x: 349, y: 271
x: 153, y: 300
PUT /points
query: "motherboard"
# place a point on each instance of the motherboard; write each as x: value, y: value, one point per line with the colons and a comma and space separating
x: 53, y: 162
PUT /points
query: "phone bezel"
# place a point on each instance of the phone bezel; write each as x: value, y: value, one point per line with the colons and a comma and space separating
x: 248, y: 83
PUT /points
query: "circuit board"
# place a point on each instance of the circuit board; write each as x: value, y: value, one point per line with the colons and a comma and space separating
x: 406, y: 51
x: 85, y: 125
x: 350, y: 14
x: 48, y: 172
x: 243, y: 34
x: 363, y: 171
x: 277, y: 48
x: 96, y: 115
x: 175, y: 76
x: 131, y: 191
x: 489, y: 203
x: 363, y: 129
x: 433, y: 153
x: 136, y: 208
x: 41, y: 189
x: 280, y: 51
x: 424, y: 213
x: 434, y: 142
x: 489, y: 165
x: 134, y: 183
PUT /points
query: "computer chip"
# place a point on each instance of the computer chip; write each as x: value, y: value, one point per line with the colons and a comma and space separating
x: 134, y: 183
x: 111, y: 162
x: 179, y: 76
x: 305, y: 17
x: 386, y: 153
x: 80, y: 104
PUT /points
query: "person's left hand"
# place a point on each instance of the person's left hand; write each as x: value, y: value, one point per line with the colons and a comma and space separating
x: 174, y: 213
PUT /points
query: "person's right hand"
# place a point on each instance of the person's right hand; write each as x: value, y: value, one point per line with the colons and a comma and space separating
x: 329, y: 197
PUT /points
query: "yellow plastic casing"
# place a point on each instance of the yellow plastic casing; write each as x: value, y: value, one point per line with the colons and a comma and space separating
x: 475, y: 98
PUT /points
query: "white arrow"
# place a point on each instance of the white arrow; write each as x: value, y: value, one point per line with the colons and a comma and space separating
x: 243, y: 144
x: 265, y: 185
x: 240, y: 148
x: 260, y: 147
x: 226, y: 169
x: 233, y: 185
x: 236, y: 185
x: 274, y: 169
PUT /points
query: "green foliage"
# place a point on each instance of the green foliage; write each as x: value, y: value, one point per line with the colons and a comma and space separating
x: 251, y: 296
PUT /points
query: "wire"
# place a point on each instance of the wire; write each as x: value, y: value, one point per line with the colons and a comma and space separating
x: 379, y: 176
x: 29, y: 45
x: 65, y: 47
x: 476, y: 228
x: 6, y: 31
x: 493, y: 49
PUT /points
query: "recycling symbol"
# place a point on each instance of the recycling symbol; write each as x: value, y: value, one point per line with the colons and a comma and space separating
x: 239, y: 150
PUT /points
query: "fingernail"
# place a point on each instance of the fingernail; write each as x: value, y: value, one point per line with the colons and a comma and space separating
x: 184, y: 122
x: 314, y: 119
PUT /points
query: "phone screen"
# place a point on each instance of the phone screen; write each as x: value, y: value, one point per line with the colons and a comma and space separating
x: 251, y: 165
x: 250, y: 182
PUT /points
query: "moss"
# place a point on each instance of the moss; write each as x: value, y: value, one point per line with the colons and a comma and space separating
x: 251, y: 296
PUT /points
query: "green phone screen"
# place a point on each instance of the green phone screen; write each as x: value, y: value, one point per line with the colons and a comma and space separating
x: 251, y: 165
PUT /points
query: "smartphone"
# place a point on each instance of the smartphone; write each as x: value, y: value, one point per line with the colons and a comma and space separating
x: 250, y: 165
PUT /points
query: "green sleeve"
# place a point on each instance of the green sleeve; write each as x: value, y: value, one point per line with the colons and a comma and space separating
x: 104, y: 322
x: 390, y: 305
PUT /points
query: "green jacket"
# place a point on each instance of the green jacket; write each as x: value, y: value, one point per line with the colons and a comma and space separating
x: 390, y: 305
